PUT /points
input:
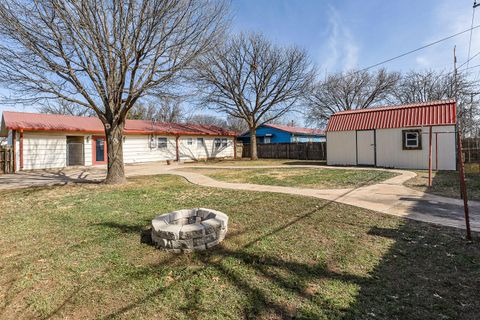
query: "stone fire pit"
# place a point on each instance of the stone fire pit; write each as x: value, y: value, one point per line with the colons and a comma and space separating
x: 189, y: 230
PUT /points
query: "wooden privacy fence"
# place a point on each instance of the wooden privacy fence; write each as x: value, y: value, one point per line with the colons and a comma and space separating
x: 6, y: 160
x: 471, y: 150
x: 299, y: 150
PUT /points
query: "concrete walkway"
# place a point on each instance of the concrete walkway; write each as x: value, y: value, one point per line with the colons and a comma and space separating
x: 390, y: 197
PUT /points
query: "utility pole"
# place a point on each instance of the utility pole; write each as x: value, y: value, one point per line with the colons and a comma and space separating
x: 461, y: 169
x: 455, y: 72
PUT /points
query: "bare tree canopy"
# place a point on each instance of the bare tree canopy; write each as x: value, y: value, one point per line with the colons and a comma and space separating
x: 251, y: 79
x: 66, y: 108
x: 349, y: 91
x: 103, y: 54
x: 231, y: 123
x: 207, y: 120
x: 166, y: 109
x: 429, y: 85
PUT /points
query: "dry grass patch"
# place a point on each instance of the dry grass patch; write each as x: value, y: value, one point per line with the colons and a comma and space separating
x: 75, y: 252
x: 447, y: 183
x: 334, y: 178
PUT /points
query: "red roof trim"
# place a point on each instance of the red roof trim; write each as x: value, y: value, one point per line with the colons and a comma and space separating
x: 411, y: 115
x: 62, y: 123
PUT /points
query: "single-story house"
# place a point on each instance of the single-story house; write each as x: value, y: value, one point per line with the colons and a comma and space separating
x: 395, y: 137
x: 276, y: 133
x: 42, y: 141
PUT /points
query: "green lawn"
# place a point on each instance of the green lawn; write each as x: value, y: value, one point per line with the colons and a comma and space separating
x: 260, y: 162
x: 447, y: 183
x: 74, y: 252
x: 299, y: 177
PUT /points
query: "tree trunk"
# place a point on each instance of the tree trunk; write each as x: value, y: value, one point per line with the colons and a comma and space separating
x: 115, y: 168
x: 253, y: 144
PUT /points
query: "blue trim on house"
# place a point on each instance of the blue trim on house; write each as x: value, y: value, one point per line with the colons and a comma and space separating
x: 267, y: 134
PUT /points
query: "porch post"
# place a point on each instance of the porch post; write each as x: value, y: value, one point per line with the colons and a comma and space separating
x: 21, y: 149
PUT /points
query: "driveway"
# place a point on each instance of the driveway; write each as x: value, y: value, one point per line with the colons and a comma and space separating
x: 390, y: 196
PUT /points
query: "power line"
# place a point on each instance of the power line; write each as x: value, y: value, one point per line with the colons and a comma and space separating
x: 471, y: 32
x: 418, y: 49
x: 468, y: 60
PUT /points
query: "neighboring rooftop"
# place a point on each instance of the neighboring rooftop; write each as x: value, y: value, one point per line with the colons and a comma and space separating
x: 296, y: 130
x: 441, y: 112
x: 53, y: 122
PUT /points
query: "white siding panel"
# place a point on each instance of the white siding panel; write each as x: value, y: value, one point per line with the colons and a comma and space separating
x: 341, y: 148
x: 196, y: 151
x: 390, y: 151
x: 44, y: 151
x: 87, y: 142
x: 136, y: 148
x: 49, y: 150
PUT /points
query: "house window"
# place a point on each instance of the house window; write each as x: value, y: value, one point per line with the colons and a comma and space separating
x: 217, y: 142
x: 189, y: 141
x: 161, y: 143
x: 267, y: 140
x: 200, y: 142
x: 224, y: 142
x: 412, y: 139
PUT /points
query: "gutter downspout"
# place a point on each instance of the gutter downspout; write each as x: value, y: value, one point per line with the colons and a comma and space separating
x: 177, y: 150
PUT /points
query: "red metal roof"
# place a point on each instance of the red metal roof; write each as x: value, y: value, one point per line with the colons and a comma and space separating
x: 53, y: 122
x: 410, y: 115
x: 298, y: 130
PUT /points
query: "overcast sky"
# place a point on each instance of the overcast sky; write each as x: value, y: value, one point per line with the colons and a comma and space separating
x: 341, y: 35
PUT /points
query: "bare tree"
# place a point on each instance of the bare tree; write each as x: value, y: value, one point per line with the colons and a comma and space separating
x: 166, y: 109
x: 349, y: 91
x: 236, y: 124
x: 207, y: 120
x: 251, y: 79
x: 423, y: 86
x: 103, y: 54
x: 66, y: 108
x: 429, y: 85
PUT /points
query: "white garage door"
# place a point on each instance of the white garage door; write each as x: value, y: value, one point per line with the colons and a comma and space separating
x: 366, y: 147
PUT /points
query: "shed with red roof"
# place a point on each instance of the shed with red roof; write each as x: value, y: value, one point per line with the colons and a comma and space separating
x: 394, y: 136
x: 44, y: 141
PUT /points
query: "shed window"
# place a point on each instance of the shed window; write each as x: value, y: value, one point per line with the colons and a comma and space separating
x: 224, y: 142
x: 217, y: 143
x: 412, y: 139
x: 161, y: 143
x: 200, y: 142
x: 189, y: 141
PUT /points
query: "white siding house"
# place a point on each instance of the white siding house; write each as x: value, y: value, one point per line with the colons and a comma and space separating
x: 395, y: 137
x: 55, y: 141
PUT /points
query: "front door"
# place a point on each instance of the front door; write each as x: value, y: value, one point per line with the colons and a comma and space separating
x: 366, y: 148
x: 99, y: 150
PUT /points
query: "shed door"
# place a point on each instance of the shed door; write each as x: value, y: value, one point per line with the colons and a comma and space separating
x: 366, y: 148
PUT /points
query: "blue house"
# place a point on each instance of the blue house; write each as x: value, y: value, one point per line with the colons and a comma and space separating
x: 276, y: 133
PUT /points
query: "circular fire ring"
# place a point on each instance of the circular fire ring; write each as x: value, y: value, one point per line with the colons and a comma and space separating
x: 189, y: 229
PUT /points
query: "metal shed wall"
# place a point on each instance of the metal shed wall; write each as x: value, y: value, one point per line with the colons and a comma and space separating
x: 391, y: 154
x: 341, y: 148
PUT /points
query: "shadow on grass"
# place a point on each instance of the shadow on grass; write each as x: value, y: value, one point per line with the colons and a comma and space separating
x: 300, y: 163
x: 428, y: 272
